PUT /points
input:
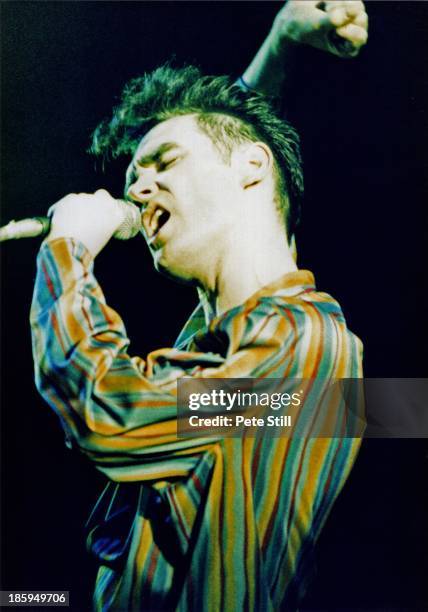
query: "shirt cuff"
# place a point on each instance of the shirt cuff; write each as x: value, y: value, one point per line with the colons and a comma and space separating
x: 243, y: 84
x: 61, y: 248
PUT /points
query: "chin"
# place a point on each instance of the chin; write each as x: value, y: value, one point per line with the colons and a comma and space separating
x: 174, y: 272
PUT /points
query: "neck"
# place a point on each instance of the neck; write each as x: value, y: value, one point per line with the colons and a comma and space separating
x: 251, y: 264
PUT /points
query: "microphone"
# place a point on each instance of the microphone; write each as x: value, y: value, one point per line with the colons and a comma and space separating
x: 40, y: 226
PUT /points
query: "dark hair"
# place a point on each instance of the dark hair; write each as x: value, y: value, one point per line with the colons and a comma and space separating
x: 227, y: 113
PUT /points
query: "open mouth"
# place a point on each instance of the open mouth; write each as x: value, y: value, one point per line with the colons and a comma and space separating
x: 156, y: 221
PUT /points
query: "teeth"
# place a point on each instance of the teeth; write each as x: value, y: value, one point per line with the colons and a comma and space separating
x: 154, y: 223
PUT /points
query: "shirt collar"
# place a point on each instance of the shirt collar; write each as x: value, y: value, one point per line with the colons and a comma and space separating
x: 287, y: 285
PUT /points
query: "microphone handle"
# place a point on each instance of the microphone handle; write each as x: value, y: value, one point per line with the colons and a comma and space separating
x: 40, y: 226
x: 26, y: 228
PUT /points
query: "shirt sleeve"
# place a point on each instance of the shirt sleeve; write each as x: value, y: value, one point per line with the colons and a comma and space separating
x: 243, y: 84
x: 121, y: 410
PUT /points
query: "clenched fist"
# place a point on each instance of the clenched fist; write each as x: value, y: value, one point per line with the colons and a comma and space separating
x: 90, y: 218
x: 340, y: 27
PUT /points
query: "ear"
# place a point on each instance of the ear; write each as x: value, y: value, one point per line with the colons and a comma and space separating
x: 254, y: 163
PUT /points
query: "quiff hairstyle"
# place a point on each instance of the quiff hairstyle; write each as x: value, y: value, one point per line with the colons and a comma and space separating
x: 226, y: 112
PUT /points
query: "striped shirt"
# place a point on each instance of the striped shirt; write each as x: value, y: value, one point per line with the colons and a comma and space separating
x: 189, y: 523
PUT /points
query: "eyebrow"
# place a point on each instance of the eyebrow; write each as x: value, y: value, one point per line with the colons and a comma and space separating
x: 146, y: 160
x: 155, y: 156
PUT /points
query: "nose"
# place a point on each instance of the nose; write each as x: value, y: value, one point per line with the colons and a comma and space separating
x: 145, y: 187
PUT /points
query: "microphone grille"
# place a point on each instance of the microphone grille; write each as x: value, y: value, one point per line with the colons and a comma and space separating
x: 131, y: 223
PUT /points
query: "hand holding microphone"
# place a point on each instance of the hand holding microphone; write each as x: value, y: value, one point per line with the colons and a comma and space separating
x: 90, y: 218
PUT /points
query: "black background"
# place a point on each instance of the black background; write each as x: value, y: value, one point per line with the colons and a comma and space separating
x: 364, y: 126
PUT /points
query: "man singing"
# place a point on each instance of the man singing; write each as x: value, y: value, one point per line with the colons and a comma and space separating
x: 192, y: 523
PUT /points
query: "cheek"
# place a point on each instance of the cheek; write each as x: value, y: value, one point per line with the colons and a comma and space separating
x: 205, y: 194
x: 195, y: 200
x: 219, y: 187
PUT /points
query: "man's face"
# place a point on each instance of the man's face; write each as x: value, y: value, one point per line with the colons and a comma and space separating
x: 188, y: 197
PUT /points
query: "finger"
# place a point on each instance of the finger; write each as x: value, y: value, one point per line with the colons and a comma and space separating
x: 353, y: 33
x: 343, y: 12
x: 103, y: 194
x: 354, y: 6
x: 361, y: 20
x: 331, y: 4
x: 353, y: 9
x: 338, y: 15
x: 51, y: 210
x: 63, y: 202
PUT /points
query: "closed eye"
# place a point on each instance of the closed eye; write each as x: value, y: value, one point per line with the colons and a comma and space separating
x: 167, y: 163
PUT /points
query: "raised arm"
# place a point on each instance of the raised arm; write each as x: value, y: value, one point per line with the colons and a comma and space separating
x: 337, y: 27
